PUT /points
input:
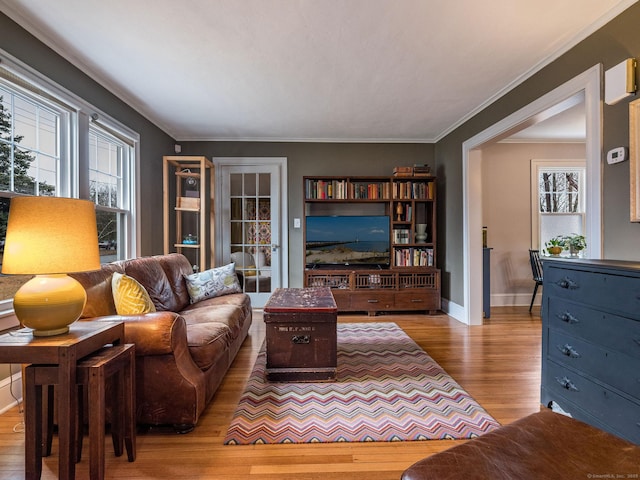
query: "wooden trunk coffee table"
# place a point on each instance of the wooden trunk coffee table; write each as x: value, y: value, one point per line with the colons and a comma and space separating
x: 301, y: 335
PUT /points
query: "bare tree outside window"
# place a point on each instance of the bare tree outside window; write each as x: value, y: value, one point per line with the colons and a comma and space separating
x: 559, y: 192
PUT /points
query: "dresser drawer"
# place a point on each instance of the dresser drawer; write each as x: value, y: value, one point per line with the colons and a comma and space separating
x: 611, y: 331
x: 620, y: 413
x: 609, y: 367
x: 616, y: 293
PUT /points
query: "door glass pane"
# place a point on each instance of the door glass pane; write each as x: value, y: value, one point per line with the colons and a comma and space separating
x: 264, y: 184
x: 250, y: 184
x: 235, y: 184
x: 251, y: 230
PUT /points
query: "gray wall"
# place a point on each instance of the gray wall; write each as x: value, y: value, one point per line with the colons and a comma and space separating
x: 305, y: 159
x: 616, y: 41
x: 154, y: 143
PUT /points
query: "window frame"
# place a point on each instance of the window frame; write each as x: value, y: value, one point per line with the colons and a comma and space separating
x: 559, y: 165
x: 78, y: 115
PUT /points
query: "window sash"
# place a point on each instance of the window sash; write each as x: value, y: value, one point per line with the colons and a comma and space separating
x: 73, y: 116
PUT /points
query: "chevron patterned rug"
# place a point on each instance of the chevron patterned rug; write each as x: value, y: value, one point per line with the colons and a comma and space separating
x: 387, y: 389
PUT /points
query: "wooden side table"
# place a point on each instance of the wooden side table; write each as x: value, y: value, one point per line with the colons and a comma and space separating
x: 64, y: 351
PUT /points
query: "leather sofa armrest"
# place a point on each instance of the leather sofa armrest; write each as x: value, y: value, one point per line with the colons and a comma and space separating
x: 153, y: 333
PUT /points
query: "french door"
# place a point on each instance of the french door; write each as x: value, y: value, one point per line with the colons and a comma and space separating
x: 251, y: 209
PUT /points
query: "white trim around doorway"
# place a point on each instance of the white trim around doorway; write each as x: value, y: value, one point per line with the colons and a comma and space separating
x: 590, y: 82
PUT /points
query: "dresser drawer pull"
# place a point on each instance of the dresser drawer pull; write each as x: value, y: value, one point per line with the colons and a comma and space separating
x: 372, y: 300
x: 567, y: 384
x: 567, y: 284
x: 567, y: 317
x: 568, y: 350
x: 416, y: 300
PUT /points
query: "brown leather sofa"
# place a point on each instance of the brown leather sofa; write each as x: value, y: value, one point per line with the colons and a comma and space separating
x: 183, y: 350
x: 544, y: 445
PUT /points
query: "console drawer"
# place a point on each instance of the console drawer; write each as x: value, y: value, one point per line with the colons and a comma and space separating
x: 421, y: 300
x: 372, y: 302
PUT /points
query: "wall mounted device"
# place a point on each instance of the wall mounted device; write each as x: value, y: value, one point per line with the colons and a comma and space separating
x: 617, y: 155
x: 620, y: 81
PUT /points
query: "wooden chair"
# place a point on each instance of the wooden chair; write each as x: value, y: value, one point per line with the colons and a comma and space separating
x: 92, y: 373
x: 536, y: 270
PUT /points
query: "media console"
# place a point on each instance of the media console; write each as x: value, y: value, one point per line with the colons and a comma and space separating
x: 411, y: 280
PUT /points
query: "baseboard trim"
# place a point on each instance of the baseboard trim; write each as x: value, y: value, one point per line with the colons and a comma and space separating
x: 10, y: 391
x: 453, y: 310
x: 514, y: 299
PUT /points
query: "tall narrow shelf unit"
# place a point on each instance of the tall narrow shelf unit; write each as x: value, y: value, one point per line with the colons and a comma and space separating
x: 412, y: 281
x: 188, y: 200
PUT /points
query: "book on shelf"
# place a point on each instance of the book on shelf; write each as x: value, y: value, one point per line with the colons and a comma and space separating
x: 401, y: 235
x: 415, y: 171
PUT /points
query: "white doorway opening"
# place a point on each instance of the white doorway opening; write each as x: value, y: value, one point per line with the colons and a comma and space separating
x: 587, y: 84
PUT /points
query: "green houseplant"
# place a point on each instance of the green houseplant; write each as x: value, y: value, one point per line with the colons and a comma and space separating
x: 555, y: 245
x: 575, y: 243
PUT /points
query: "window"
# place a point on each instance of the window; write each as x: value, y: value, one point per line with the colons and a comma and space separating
x: 29, y: 145
x: 43, y: 129
x: 109, y: 159
x: 558, y: 206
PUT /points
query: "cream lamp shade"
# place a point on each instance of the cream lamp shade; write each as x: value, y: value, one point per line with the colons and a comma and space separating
x: 50, y: 237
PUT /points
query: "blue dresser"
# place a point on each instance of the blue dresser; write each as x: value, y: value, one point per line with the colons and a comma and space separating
x: 591, y: 342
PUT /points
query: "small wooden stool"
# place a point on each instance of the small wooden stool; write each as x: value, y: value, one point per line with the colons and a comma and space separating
x: 93, y: 372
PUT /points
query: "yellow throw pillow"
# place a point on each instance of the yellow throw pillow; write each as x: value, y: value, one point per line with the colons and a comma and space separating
x: 130, y: 297
x: 251, y: 272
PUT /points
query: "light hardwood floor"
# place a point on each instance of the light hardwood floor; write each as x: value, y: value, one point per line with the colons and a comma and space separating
x: 497, y: 363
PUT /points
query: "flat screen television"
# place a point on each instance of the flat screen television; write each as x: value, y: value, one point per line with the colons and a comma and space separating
x: 347, y: 240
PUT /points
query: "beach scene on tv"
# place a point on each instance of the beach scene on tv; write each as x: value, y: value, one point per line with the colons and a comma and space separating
x: 347, y: 240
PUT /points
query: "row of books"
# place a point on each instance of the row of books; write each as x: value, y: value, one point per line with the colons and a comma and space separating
x: 421, y: 190
x: 343, y: 190
x: 378, y: 190
x: 413, y: 257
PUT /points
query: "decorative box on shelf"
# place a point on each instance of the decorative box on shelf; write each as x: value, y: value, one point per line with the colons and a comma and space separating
x: 188, y: 202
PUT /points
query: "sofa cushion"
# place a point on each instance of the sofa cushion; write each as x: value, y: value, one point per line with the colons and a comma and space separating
x: 97, y: 284
x: 207, y: 343
x: 129, y: 296
x: 230, y: 315
x: 162, y: 277
x: 212, y: 283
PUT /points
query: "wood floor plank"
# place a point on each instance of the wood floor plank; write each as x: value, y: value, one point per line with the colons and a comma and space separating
x: 497, y: 363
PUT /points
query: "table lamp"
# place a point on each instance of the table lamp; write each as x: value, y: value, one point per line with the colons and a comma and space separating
x: 49, y: 237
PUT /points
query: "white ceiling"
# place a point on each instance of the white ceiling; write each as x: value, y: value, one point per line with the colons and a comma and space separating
x: 321, y: 70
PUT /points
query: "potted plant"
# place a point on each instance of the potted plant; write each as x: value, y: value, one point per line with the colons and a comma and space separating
x: 575, y: 243
x: 555, y: 245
